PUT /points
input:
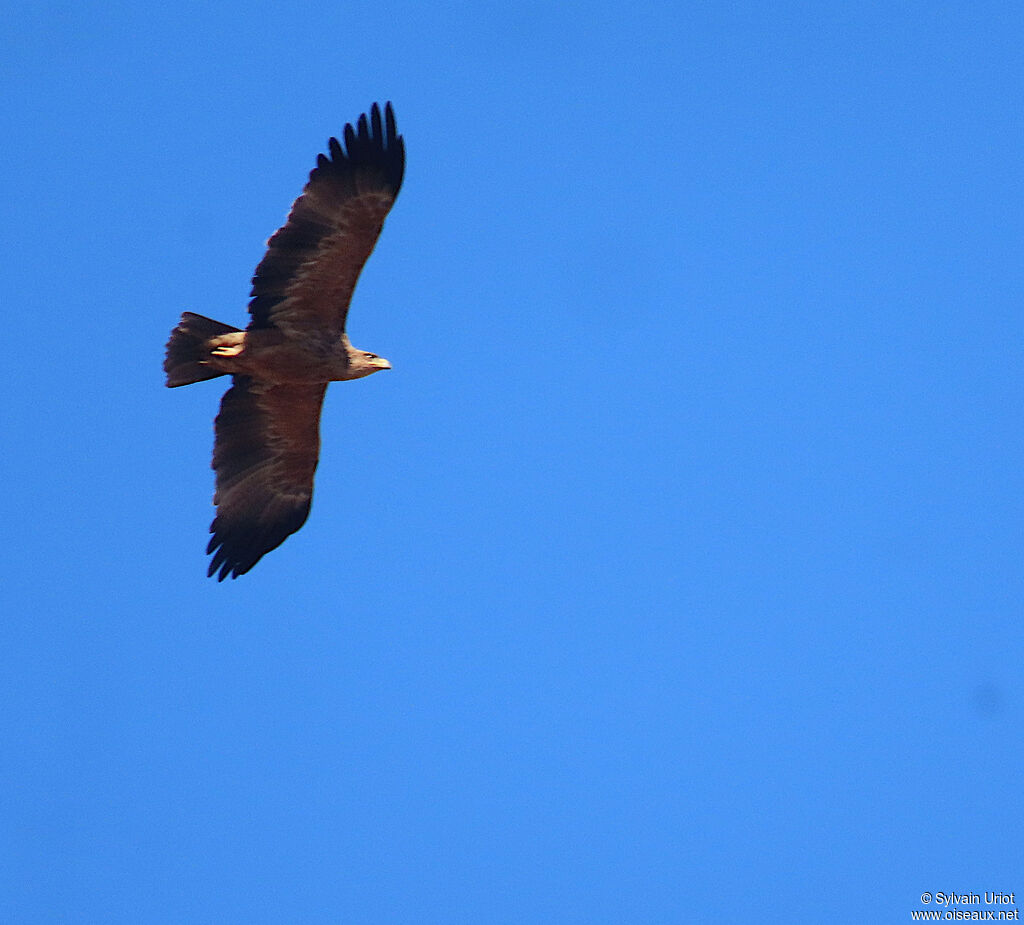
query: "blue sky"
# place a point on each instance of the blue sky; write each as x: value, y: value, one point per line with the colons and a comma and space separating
x: 673, y: 575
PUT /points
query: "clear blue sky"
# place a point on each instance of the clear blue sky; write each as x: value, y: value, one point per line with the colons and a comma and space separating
x: 675, y: 573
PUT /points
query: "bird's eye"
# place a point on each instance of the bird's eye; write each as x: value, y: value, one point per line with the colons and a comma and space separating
x: 371, y: 356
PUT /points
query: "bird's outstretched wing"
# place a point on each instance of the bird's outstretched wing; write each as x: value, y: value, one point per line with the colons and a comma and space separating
x: 305, y: 281
x: 265, y: 453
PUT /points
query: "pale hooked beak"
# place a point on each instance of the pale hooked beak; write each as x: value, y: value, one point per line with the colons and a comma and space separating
x: 381, y: 363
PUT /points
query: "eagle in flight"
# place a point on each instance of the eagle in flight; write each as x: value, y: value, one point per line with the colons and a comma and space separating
x: 267, y: 434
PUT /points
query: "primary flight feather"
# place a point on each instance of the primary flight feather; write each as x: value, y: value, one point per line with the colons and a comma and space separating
x: 267, y: 434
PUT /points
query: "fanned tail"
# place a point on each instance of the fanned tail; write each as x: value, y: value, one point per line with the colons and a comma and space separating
x: 185, y: 362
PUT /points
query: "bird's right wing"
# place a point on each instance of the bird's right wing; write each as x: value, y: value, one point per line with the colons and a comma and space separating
x: 305, y: 282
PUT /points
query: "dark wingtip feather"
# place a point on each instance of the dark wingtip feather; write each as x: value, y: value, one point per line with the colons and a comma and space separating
x: 389, y: 119
x: 372, y: 143
x: 236, y: 548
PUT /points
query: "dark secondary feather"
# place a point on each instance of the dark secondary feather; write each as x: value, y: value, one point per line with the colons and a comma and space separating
x: 305, y: 282
x: 265, y: 454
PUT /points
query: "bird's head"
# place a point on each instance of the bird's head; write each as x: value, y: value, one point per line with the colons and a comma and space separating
x: 362, y: 363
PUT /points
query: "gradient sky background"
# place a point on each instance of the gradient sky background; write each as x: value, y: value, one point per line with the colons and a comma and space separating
x: 675, y: 573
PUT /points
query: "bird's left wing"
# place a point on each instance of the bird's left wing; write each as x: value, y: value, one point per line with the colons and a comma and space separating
x: 265, y: 453
x: 305, y: 282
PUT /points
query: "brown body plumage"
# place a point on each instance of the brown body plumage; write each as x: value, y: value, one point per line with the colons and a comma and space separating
x: 268, y: 430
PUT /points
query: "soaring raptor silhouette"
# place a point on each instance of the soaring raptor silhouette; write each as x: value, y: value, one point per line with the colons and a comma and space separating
x: 267, y: 439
